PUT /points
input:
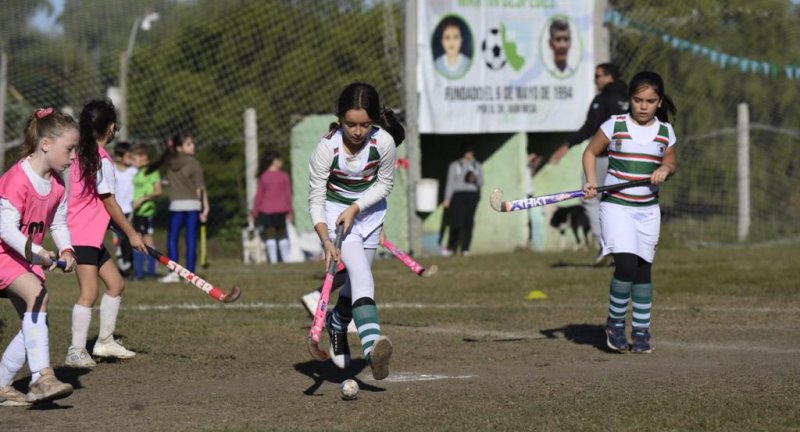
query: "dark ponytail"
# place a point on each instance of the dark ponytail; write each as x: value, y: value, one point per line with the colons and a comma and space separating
x: 364, y: 96
x: 391, y: 124
x: 44, y: 122
x: 266, y: 162
x: 95, y: 118
x: 654, y: 81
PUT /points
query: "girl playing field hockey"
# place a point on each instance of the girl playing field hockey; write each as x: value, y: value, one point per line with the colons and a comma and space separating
x: 188, y: 200
x: 640, y: 145
x: 351, y: 174
x: 32, y: 201
x: 90, y: 208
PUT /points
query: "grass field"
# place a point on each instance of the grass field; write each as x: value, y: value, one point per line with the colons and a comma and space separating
x: 470, y: 353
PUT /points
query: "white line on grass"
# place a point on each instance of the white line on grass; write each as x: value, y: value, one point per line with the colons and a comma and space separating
x: 539, y: 305
x: 412, y: 376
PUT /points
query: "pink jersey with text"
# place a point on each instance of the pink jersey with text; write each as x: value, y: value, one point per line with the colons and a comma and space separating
x: 36, y: 215
x: 87, y: 217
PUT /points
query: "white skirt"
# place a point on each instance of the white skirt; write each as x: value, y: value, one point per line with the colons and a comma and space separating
x: 627, y: 229
x: 366, y: 227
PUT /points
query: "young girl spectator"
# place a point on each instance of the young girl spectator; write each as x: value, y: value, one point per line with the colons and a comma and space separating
x: 146, y: 188
x: 33, y: 201
x: 92, y: 205
x: 351, y: 174
x: 188, y: 200
x: 273, y: 205
x: 640, y: 145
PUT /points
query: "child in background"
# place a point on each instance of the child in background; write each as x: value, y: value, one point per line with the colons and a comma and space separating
x: 641, y: 145
x: 124, y: 171
x: 92, y: 205
x: 188, y: 200
x: 33, y: 201
x: 272, y: 208
x: 146, y: 188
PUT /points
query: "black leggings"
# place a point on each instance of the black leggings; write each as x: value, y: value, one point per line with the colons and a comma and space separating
x: 631, y: 268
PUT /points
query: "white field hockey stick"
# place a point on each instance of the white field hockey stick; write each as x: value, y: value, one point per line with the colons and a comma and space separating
x: 497, y: 203
x: 408, y: 261
x: 322, y: 306
x: 188, y: 276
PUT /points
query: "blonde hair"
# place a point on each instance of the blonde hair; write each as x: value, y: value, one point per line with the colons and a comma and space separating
x: 45, y: 123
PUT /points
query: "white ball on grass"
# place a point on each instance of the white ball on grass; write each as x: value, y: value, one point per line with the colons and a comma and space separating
x: 349, y: 390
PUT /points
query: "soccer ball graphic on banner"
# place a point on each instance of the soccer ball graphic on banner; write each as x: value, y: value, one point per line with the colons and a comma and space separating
x: 492, y: 49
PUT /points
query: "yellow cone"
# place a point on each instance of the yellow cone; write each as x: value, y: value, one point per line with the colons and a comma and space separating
x: 536, y: 295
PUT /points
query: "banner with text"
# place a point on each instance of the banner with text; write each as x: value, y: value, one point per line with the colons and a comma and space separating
x: 505, y: 65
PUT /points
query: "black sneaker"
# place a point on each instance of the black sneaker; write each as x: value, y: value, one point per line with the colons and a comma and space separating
x: 615, y: 334
x: 339, y: 349
x: 641, y: 341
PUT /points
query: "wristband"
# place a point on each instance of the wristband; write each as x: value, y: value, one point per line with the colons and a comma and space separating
x: 68, y: 250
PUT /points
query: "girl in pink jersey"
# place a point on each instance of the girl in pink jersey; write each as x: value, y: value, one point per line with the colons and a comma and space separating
x: 91, y: 206
x: 32, y: 200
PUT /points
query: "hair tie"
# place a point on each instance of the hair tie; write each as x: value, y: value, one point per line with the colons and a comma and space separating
x: 170, y: 143
x: 43, y: 112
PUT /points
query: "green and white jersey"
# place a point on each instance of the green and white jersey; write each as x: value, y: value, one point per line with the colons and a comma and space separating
x: 364, y: 178
x: 634, y: 153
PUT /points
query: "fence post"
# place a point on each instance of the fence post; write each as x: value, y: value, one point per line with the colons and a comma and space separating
x: 250, y: 155
x: 743, y: 171
x: 412, y: 129
x: 3, y: 91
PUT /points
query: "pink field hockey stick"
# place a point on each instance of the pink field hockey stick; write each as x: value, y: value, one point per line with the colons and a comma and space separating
x: 498, y: 204
x: 322, y: 306
x: 408, y: 261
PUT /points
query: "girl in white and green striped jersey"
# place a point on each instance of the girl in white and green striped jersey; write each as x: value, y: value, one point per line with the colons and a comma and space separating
x: 640, y: 146
x: 351, y: 174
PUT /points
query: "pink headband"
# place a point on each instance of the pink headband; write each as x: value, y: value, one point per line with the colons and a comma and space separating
x: 43, y: 112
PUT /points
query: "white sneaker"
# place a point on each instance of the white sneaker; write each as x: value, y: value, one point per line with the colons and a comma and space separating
x: 310, y: 301
x: 351, y: 328
x: 79, y: 358
x: 447, y: 252
x: 113, y: 349
x: 48, y: 388
x: 10, y: 397
x: 171, y: 277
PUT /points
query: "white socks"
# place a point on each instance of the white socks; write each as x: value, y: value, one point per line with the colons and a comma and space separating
x: 37, y: 342
x: 81, y: 319
x: 13, y: 360
x: 109, y: 307
x: 272, y: 250
x: 283, y: 245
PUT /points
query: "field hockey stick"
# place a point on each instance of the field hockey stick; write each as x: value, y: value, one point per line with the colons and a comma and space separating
x: 498, y: 204
x: 203, y: 251
x: 188, y: 276
x: 203, y: 254
x: 408, y: 261
x: 37, y: 259
x: 322, y: 306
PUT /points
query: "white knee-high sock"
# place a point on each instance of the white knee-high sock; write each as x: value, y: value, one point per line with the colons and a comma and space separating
x: 272, y: 250
x: 359, y: 269
x: 109, y: 308
x: 37, y: 342
x: 13, y: 360
x: 81, y: 320
x: 283, y: 245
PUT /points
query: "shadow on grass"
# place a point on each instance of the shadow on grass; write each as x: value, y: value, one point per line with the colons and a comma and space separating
x: 565, y: 264
x: 321, y: 372
x: 581, y: 334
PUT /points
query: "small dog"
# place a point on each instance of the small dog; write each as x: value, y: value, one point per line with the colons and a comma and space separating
x: 574, y: 218
x: 254, y: 251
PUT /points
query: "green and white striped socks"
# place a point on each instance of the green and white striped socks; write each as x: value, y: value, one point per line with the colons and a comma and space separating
x: 642, y: 304
x: 618, y: 299
x: 365, y: 314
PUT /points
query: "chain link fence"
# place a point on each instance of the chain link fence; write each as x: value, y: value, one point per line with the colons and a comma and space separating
x: 196, y: 66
